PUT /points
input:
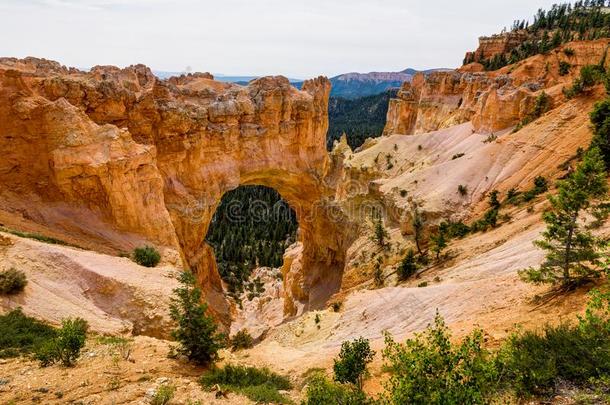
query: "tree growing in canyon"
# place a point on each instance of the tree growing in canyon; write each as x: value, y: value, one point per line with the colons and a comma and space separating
x: 353, y: 359
x: 573, y: 252
x: 380, y: 233
x: 418, y: 229
x: 600, y: 118
x: 408, y: 266
x: 439, y: 243
x: 196, y: 332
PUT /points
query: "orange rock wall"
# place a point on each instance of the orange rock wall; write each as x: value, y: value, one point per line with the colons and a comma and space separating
x: 153, y: 158
x: 493, y: 101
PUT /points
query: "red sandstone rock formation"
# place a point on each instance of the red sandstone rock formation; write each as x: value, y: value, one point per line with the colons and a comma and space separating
x: 496, y: 45
x: 493, y: 101
x: 152, y: 159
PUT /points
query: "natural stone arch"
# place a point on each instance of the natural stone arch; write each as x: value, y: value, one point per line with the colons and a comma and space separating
x: 149, y: 160
x: 270, y: 134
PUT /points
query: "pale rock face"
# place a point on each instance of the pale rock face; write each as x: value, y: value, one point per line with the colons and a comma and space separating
x: 153, y: 158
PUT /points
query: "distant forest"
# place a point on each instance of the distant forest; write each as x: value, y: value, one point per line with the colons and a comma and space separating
x: 359, y: 118
x: 253, y: 226
x: 584, y: 20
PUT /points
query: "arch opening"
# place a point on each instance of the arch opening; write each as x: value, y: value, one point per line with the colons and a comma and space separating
x: 251, y: 229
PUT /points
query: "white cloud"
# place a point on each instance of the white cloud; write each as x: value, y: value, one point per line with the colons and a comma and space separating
x: 297, y: 38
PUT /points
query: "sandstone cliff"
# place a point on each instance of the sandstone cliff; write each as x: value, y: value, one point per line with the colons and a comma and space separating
x: 493, y: 101
x: 122, y: 158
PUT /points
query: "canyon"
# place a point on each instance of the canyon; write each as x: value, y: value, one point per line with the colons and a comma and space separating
x: 112, y: 159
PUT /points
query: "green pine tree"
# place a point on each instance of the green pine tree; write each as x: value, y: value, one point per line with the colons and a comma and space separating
x: 573, y: 252
x: 380, y: 234
x: 439, y: 243
x: 418, y: 229
x: 408, y: 266
x: 196, y: 332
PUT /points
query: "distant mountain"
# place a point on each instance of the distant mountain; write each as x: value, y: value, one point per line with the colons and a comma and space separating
x: 355, y: 85
x: 243, y: 80
x: 348, y: 85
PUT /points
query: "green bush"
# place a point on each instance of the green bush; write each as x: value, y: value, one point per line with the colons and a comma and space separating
x: 541, y: 106
x: 600, y: 118
x: 20, y: 334
x: 454, y: 229
x: 351, y: 365
x: 12, y: 281
x: 196, y: 332
x: 534, y: 362
x: 590, y: 75
x: 146, y: 256
x: 65, y: 347
x: 541, y: 186
x: 258, y: 384
x: 242, y: 340
x: 36, y: 236
x: 564, y: 68
x: 512, y: 196
x: 463, y: 190
x: 164, y: 394
x: 321, y: 391
x: 429, y: 369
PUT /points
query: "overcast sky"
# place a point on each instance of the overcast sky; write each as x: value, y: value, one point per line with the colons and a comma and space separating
x: 296, y: 38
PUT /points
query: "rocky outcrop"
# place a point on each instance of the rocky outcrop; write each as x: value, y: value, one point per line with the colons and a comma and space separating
x: 152, y: 158
x: 493, y: 101
x: 496, y: 45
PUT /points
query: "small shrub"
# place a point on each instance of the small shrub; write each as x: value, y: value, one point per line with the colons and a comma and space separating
x: 403, y: 193
x: 353, y: 359
x: 317, y: 320
x: 511, y: 196
x: 164, y: 394
x: 541, y: 186
x: 541, y: 106
x: 242, y: 340
x: 320, y: 390
x: 12, y: 281
x: 463, y: 190
x: 146, y: 256
x: 454, y: 229
x: 569, y: 52
x: 336, y: 306
x: 457, y: 156
x: 36, y: 236
x: 564, y: 68
x: 422, y: 284
x: 65, y: 347
x: 258, y: 384
x: 491, y: 138
x: 20, y: 334
x: 590, y: 75
x: 534, y: 362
